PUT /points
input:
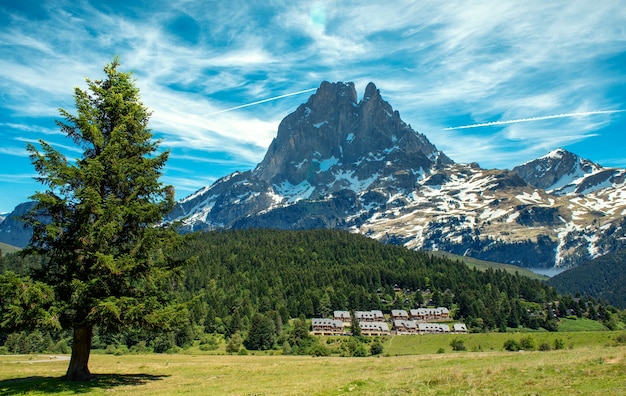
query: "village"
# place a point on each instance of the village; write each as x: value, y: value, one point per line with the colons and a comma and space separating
x: 375, y: 323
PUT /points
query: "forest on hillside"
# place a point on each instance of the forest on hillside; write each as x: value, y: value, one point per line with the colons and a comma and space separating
x: 241, y: 281
x: 603, y: 278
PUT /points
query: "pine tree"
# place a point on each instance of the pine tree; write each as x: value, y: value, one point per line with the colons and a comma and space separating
x: 108, y: 257
x: 262, y: 333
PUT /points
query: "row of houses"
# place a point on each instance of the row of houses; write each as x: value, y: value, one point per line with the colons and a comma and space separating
x: 412, y: 327
x: 323, y: 326
x: 418, y: 314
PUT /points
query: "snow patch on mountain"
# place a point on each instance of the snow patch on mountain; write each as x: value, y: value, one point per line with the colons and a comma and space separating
x: 533, y: 198
x: 294, y: 193
x: 327, y: 163
x: 352, y: 182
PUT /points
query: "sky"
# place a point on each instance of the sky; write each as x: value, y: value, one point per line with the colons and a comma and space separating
x: 494, y: 82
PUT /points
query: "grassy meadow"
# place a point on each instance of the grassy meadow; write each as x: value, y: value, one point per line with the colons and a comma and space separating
x: 482, y: 265
x: 592, y: 363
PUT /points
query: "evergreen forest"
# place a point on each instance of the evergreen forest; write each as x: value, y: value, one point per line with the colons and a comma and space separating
x: 257, y: 287
x: 602, y: 278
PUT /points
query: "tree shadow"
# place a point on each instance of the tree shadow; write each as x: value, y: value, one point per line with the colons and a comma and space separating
x: 50, y: 385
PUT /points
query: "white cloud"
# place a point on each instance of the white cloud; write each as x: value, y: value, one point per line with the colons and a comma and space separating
x: 14, y: 151
x: 17, y: 177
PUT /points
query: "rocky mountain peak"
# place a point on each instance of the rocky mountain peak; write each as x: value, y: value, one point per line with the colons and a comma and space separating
x: 332, y: 93
x: 560, y: 171
x: 332, y: 135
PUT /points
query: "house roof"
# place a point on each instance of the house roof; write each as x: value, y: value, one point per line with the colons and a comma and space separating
x: 460, y: 327
x: 326, y: 322
x: 429, y: 311
x: 407, y: 324
x: 376, y: 326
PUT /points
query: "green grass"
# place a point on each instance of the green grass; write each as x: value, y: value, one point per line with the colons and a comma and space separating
x: 484, y: 265
x: 580, y: 324
x: 592, y: 363
x: 492, y: 342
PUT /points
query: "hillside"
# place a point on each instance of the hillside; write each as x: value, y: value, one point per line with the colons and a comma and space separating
x: 5, y: 248
x: 485, y: 265
x: 603, y: 278
x: 314, y: 272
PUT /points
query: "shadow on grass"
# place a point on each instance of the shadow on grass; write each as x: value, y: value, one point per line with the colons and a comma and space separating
x: 20, y: 386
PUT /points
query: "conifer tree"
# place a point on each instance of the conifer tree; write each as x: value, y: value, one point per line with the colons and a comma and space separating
x: 98, y: 221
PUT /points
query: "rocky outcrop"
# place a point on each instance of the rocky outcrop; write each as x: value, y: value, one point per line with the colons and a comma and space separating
x: 13, y: 231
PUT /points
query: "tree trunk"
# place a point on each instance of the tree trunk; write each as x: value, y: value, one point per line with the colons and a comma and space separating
x: 81, y: 347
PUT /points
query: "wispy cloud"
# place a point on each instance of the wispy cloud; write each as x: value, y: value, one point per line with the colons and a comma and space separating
x: 21, y: 178
x: 14, y: 151
x: 262, y: 101
x: 530, y: 119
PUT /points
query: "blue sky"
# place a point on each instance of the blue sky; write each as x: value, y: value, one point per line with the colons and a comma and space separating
x: 529, y: 76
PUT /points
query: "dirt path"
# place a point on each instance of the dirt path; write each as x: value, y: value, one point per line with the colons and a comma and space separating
x: 41, y: 358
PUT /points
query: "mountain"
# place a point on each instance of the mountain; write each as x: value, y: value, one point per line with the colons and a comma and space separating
x: 603, y: 278
x: 12, y: 230
x: 327, y: 151
x: 341, y: 163
x: 563, y: 173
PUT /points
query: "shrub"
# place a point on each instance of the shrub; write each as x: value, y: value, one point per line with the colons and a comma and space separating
x: 360, y: 351
x: 528, y: 343
x: 558, y: 344
x: 458, y: 345
x: 234, y: 343
x: 287, y: 348
x: 512, y: 345
x: 319, y: 350
x: 208, y: 343
x: 62, y: 347
x: 140, y: 347
x: 376, y: 348
x: 544, y: 347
